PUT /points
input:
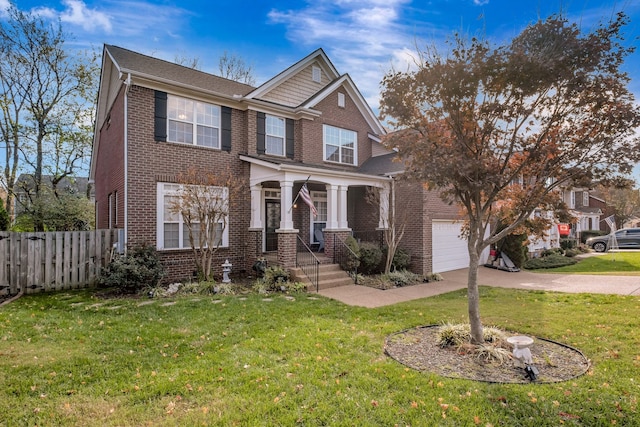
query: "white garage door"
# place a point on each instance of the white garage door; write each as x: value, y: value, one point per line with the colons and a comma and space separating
x: 449, y: 251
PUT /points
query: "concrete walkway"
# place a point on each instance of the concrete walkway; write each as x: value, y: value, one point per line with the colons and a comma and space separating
x: 453, y: 280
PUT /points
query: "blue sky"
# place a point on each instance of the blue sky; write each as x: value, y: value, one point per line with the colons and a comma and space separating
x: 362, y: 37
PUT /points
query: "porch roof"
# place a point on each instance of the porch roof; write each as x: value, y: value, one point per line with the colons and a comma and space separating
x: 286, y: 165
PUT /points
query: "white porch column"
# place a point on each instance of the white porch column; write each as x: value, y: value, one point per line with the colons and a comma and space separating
x: 332, y: 207
x: 383, y: 221
x: 286, y: 199
x: 342, y: 207
x: 256, y: 207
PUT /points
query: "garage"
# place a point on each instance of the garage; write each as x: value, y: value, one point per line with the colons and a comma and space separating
x: 449, y: 251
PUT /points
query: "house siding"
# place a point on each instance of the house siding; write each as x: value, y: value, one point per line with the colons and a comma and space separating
x: 297, y: 89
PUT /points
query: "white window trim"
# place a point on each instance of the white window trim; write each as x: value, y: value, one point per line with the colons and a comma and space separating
x: 194, y: 124
x: 572, y: 200
x: 324, y: 146
x: 166, y: 189
x: 267, y: 134
x: 316, y: 74
x: 341, y: 100
x: 316, y: 196
x: 585, y: 198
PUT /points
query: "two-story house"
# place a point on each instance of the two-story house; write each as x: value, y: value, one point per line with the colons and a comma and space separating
x: 308, y: 124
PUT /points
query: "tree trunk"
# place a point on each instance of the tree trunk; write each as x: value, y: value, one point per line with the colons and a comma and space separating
x: 473, y: 296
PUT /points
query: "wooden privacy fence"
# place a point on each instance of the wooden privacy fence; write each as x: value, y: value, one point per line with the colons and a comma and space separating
x: 41, y: 262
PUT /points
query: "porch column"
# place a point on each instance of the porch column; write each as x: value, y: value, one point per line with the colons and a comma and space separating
x: 342, y: 207
x: 383, y: 221
x: 332, y: 207
x: 286, y: 199
x: 256, y: 207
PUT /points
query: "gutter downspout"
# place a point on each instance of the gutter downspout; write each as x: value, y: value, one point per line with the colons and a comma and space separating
x: 127, y: 83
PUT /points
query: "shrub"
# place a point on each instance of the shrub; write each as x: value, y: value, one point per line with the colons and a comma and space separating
x: 568, y: 243
x: 352, y: 259
x: 275, y: 276
x: 140, y: 268
x: 554, y: 251
x: 403, y: 278
x: 572, y: 252
x: 549, y: 261
x: 401, y: 259
x: 370, y: 257
x: 514, y: 246
x: 4, y: 218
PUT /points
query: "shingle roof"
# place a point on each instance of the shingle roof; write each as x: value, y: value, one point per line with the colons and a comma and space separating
x: 382, y: 165
x: 130, y: 61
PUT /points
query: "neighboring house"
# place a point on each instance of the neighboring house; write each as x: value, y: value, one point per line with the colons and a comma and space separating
x: 24, y: 189
x: 309, y: 123
x: 580, y: 206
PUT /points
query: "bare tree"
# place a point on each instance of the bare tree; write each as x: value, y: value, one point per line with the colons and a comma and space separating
x: 498, y: 129
x: 234, y: 68
x: 46, y: 94
x: 395, y: 211
x: 204, y: 202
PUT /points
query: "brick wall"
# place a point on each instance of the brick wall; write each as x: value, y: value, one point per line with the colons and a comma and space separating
x: 109, y: 177
x: 150, y: 162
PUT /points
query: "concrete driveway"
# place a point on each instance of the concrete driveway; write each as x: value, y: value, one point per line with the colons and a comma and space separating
x: 454, y: 280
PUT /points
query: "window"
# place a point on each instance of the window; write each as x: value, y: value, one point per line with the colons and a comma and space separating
x: 274, y: 135
x: 316, y: 74
x: 585, y: 198
x: 340, y: 145
x: 193, y: 122
x: 172, y: 232
x: 341, y: 99
x: 572, y: 200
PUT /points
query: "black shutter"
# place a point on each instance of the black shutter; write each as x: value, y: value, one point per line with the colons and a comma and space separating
x: 225, y: 129
x: 261, y: 132
x: 289, y: 133
x: 160, y: 116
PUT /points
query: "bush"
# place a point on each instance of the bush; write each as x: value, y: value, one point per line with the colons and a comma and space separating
x: 572, y: 252
x: 401, y: 259
x: 549, y: 261
x: 403, y: 278
x: 568, y: 243
x: 138, y: 269
x: 4, y: 218
x: 514, y: 246
x: 352, y: 259
x: 370, y: 257
x: 554, y: 251
x: 274, y: 277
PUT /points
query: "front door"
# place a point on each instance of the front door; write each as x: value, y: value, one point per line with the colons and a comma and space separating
x: 272, y: 220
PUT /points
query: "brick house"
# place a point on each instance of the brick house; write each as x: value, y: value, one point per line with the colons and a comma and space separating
x: 155, y: 119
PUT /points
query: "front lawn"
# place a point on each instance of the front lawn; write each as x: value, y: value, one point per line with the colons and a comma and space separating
x: 627, y: 263
x: 71, y: 359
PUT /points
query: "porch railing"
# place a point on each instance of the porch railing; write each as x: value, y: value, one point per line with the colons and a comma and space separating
x: 346, y: 258
x: 308, y: 263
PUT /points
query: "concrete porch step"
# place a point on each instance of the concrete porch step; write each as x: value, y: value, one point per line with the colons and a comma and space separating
x: 329, y: 276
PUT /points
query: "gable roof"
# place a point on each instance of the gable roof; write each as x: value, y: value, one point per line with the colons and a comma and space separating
x: 137, y: 64
x: 384, y: 165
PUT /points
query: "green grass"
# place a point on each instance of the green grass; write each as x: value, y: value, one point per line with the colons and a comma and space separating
x: 69, y: 359
x: 619, y: 263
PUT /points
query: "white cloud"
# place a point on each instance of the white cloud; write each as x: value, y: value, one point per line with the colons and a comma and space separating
x: 360, y: 37
x: 4, y: 5
x: 77, y: 13
x: 480, y: 2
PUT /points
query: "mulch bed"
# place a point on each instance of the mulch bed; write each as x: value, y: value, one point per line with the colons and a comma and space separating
x: 418, y: 349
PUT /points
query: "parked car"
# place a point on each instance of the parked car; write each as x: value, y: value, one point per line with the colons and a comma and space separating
x: 626, y: 238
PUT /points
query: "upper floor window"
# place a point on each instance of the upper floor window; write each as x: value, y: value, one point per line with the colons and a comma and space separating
x: 572, y: 200
x: 274, y: 135
x: 585, y: 198
x: 193, y: 122
x: 340, y: 145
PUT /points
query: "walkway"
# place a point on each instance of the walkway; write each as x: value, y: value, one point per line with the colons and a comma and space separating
x: 454, y: 280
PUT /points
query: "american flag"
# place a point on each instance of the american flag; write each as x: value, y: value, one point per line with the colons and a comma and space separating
x: 611, y: 222
x: 304, y: 195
